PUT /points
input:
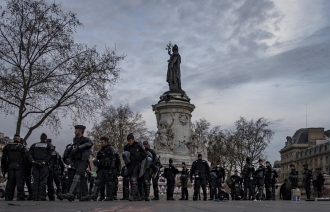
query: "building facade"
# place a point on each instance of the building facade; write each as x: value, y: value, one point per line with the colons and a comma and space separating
x: 307, y: 146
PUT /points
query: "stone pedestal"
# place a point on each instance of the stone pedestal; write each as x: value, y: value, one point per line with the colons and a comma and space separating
x: 174, y: 138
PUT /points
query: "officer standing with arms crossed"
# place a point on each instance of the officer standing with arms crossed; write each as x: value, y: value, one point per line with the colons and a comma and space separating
x: 293, y: 177
x: 12, y: 161
x: 80, y: 153
x: 247, y: 175
x: 41, y: 153
x: 201, y: 170
x: 269, y: 179
x: 260, y: 175
x: 133, y: 155
x: 108, y: 167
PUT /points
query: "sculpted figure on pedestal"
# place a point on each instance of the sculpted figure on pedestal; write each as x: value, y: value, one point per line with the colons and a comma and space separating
x: 173, y: 69
x: 164, y: 135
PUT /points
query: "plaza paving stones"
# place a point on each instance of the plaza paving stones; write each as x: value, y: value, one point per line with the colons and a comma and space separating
x: 165, y: 206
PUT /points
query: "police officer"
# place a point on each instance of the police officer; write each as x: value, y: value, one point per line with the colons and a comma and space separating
x: 293, y: 177
x: 219, y: 179
x: 70, y: 170
x: 80, y: 153
x: 27, y: 170
x: 41, y: 154
x: 269, y: 181
x: 184, y: 182
x: 124, y: 174
x: 260, y: 177
x: 58, y: 169
x: 236, y: 186
x: 50, y: 179
x: 108, y: 167
x: 307, y: 177
x: 247, y: 175
x: 133, y: 155
x: 155, y: 178
x: 170, y: 174
x: 12, y: 161
x: 319, y: 182
x: 151, y: 169
x: 200, y: 169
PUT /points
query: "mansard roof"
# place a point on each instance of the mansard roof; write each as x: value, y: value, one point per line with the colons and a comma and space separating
x: 300, y: 136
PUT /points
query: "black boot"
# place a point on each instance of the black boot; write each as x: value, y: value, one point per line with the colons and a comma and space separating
x: 134, y: 189
x: 156, y: 194
x: 146, y: 190
x: 195, y: 198
x: 211, y: 194
x: 109, y: 188
x: 84, y: 191
x: 186, y: 196
x: 70, y: 196
x: 59, y: 193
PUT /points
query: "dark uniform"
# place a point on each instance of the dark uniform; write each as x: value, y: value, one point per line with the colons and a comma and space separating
x: 53, y: 177
x: 27, y: 171
x: 155, y: 178
x: 12, y: 162
x: 260, y: 179
x: 65, y: 182
x: 247, y: 175
x: 133, y: 156
x: 285, y: 192
x: 41, y: 154
x: 170, y: 174
x: 108, y: 167
x: 307, y: 177
x: 270, y: 176
x: 151, y: 171
x: 293, y: 178
x: 184, y: 183
x: 79, y: 154
x: 217, y: 176
x: 236, y: 187
x: 70, y: 168
x: 201, y: 170
x: 319, y: 182
x: 124, y: 174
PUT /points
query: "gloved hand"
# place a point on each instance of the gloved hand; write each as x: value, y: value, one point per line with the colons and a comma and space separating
x: 73, y: 151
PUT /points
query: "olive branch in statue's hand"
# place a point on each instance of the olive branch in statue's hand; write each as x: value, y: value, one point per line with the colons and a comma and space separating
x: 169, y: 48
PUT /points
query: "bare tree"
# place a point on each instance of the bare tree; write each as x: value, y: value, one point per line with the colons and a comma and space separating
x: 249, y: 139
x: 201, y: 127
x: 44, y: 74
x: 252, y: 138
x: 116, y: 124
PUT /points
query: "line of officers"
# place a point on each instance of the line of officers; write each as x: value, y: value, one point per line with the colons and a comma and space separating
x: 142, y: 166
x: 307, y: 180
x: 253, y: 181
x: 47, y: 167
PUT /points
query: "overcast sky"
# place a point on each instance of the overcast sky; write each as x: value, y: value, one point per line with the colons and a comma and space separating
x: 249, y: 58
